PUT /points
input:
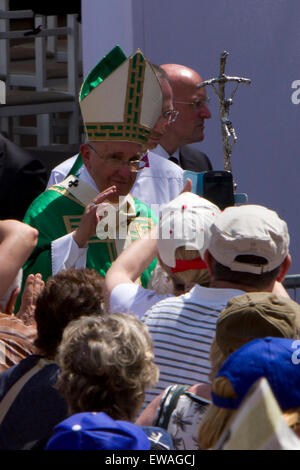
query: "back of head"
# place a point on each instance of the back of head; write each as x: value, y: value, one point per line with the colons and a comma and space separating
x: 184, y: 234
x: 249, y: 240
x: 276, y: 359
x: 191, y: 103
x: 160, y: 73
x: 249, y: 230
x: 181, y: 76
x: 106, y: 364
x: 256, y: 315
x: 65, y: 297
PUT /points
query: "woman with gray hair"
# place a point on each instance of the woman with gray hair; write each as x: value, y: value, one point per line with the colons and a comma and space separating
x: 106, y: 364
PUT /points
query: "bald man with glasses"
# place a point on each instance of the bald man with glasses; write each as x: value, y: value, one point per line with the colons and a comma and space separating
x: 189, y: 127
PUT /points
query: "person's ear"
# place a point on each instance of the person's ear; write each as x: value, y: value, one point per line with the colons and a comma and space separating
x: 85, y: 151
x: 285, y: 266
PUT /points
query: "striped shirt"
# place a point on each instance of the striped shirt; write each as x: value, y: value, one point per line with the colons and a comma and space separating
x: 182, y: 329
x: 16, y: 341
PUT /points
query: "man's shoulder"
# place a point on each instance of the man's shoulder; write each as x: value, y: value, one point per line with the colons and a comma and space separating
x: 194, y: 294
x: 170, y: 302
x: 13, y: 373
x: 162, y: 166
x: 198, y: 299
x: 194, y: 159
x: 50, y: 200
x: 191, y: 150
x: 43, y: 199
x: 47, y: 197
x: 15, y: 328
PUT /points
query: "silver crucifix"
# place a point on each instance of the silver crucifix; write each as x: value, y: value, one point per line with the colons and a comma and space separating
x: 229, y: 137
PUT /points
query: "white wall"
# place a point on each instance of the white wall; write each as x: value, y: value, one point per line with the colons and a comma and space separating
x: 105, y: 23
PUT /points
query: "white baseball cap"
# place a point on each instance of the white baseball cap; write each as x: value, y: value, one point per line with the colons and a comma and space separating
x: 185, y: 221
x: 249, y: 230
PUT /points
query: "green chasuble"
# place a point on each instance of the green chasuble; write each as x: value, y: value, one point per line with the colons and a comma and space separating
x: 57, y: 212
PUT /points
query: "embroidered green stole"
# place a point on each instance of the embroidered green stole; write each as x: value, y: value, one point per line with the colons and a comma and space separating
x: 57, y: 212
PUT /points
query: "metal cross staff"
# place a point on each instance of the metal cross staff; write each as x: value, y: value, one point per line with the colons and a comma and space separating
x: 229, y: 137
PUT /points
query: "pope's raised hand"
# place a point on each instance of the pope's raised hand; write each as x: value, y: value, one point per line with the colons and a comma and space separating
x: 89, y: 220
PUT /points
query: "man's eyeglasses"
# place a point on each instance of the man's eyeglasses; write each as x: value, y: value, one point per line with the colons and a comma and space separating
x: 196, y: 104
x: 171, y: 115
x: 116, y: 163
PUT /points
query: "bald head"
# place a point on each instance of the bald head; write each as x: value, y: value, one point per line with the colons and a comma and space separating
x: 189, y: 126
x: 180, y: 75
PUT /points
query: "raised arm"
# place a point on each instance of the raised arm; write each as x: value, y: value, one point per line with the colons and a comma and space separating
x: 135, y: 259
x: 17, y: 241
x: 132, y: 261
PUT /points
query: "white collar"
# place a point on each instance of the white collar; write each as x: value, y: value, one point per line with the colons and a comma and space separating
x: 213, y: 295
x: 159, y: 150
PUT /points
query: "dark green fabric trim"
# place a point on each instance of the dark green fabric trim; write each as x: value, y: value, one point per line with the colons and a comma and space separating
x: 103, y: 69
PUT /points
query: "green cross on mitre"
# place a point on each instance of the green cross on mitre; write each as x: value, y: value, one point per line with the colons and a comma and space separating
x: 102, y: 70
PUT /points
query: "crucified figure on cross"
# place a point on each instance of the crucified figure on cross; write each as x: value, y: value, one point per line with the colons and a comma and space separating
x: 229, y: 137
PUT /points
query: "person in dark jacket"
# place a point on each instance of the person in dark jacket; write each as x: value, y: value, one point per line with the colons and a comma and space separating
x: 22, y: 179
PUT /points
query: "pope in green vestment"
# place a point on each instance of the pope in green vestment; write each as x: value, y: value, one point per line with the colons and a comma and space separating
x: 121, y: 103
x: 57, y: 212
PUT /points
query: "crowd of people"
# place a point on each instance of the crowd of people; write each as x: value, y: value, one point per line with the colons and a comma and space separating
x: 136, y: 314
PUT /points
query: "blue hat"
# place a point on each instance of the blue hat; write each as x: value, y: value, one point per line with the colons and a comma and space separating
x: 97, y: 431
x: 159, y: 438
x: 275, y: 359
